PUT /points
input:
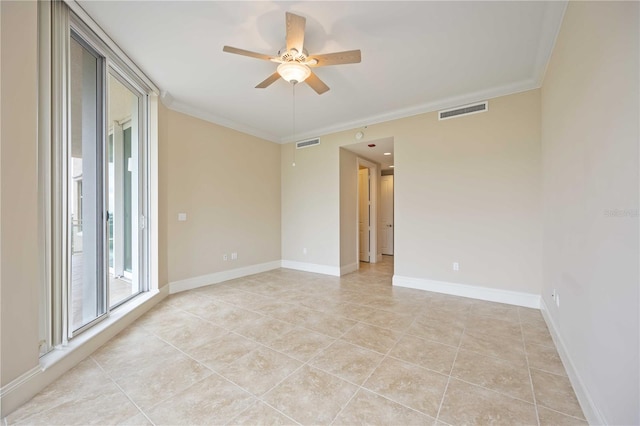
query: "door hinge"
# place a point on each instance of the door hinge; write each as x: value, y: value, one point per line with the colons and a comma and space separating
x: 142, y: 222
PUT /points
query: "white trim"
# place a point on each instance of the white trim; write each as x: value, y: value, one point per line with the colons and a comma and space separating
x: 218, y: 277
x: 592, y: 413
x: 474, y: 292
x: 483, y: 95
x: 220, y: 121
x: 62, y: 359
x: 347, y: 269
x: 45, y: 196
x: 19, y: 381
x: 312, y: 267
x: 510, y: 89
x: 551, y: 26
x: 152, y: 170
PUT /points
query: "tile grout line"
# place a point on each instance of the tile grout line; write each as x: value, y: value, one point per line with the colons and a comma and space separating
x: 373, y: 370
x: 564, y: 414
x: 121, y: 390
x: 212, y: 371
x: 526, y: 355
x: 306, y: 363
x: 256, y: 402
x: 251, y: 309
x: 446, y: 387
x: 360, y: 387
x: 22, y: 421
x: 258, y: 398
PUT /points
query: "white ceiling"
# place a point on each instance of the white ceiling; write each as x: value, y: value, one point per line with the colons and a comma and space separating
x: 416, y: 57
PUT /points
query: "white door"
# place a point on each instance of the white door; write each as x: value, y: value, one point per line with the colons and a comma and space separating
x: 363, y: 213
x: 387, y: 214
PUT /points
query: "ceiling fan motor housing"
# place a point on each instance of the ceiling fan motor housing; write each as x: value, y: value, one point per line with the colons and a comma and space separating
x: 293, y: 55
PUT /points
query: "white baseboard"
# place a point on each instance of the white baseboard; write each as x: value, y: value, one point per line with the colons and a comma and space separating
x: 591, y: 412
x: 60, y: 360
x: 474, y: 292
x: 347, y: 269
x: 19, y: 381
x: 218, y: 277
x: 312, y: 267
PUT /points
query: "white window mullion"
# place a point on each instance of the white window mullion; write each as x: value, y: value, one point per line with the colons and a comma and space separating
x: 59, y: 135
x: 44, y: 177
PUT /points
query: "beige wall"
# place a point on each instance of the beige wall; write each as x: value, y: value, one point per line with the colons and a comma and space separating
x: 228, y: 183
x: 311, y: 203
x: 163, y: 196
x: 590, y: 119
x: 466, y: 190
x: 19, y: 190
x: 348, y: 208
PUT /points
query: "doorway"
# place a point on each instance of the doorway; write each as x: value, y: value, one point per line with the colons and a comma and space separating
x: 361, y: 168
x: 367, y: 238
x: 386, y: 215
x: 364, y: 214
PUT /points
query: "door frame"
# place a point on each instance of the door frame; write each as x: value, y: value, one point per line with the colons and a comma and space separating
x: 392, y: 213
x: 374, y: 183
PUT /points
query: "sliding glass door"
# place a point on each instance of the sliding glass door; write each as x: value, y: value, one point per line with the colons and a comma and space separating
x: 105, y: 186
x: 85, y: 185
x: 123, y: 189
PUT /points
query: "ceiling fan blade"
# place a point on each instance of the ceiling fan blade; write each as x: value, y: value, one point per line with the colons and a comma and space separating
x: 243, y: 52
x: 268, y: 81
x: 316, y: 84
x: 338, y: 58
x: 295, y: 32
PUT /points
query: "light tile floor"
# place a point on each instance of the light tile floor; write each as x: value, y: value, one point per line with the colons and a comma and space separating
x: 289, y: 347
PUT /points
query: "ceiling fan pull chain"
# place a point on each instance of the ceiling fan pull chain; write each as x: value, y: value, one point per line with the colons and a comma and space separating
x: 294, y: 123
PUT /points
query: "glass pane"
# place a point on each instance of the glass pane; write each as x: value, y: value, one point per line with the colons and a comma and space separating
x: 123, y: 192
x: 85, y: 188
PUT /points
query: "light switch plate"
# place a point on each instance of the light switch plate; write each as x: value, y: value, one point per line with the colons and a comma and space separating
x: 182, y: 217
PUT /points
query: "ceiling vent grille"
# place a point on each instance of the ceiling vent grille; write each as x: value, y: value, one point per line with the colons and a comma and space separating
x: 307, y: 144
x: 463, y: 110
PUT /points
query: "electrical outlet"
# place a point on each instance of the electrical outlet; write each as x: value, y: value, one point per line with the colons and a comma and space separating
x: 234, y: 256
x: 304, y: 251
x: 456, y: 266
x: 225, y: 257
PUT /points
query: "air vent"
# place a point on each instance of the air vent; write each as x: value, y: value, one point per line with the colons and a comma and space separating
x: 463, y: 110
x: 307, y: 144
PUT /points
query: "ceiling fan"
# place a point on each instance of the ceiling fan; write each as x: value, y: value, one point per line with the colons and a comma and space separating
x: 295, y: 63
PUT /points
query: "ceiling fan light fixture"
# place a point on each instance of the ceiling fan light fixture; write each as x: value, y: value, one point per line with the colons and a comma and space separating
x: 294, y: 72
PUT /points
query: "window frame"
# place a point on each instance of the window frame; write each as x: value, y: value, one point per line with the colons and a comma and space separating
x: 57, y: 20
